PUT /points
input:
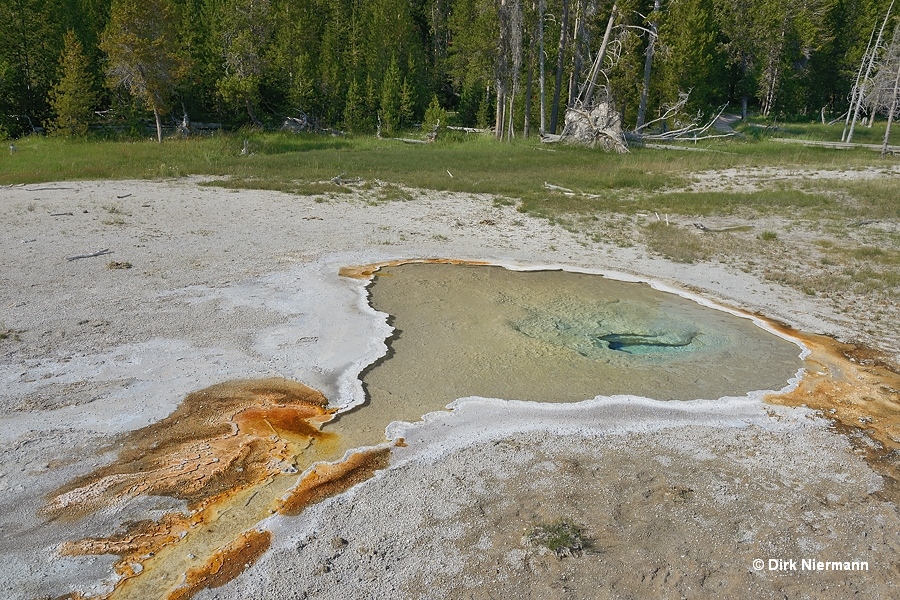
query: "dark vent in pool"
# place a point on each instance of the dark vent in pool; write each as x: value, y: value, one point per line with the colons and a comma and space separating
x: 634, y: 343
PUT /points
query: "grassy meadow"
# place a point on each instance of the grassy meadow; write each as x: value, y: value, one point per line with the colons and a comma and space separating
x: 478, y: 163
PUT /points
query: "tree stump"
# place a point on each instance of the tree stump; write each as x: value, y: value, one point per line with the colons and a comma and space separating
x: 597, y: 126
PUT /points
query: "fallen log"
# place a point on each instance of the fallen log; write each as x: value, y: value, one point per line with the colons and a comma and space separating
x: 341, y: 180
x: 469, y: 129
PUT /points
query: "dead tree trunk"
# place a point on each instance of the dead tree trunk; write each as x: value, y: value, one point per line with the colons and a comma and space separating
x: 599, y: 125
x: 577, y: 41
x: 252, y: 114
x: 498, y: 117
x: 856, y: 86
x: 511, y: 130
x: 526, y: 128
x: 648, y: 66
x: 541, y: 76
x: 560, y: 60
x: 515, y: 24
x: 744, y: 97
x: 892, y: 112
x: 158, y: 124
x: 772, y: 72
x: 590, y: 123
x: 871, y: 65
x: 598, y: 61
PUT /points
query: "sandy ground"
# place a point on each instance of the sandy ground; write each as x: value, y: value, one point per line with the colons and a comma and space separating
x: 674, y: 499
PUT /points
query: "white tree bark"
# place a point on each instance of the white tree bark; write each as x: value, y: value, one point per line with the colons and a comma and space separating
x: 598, y: 61
x: 542, y: 74
x: 158, y: 125
x: 892, y: 112
x: 871, y: 65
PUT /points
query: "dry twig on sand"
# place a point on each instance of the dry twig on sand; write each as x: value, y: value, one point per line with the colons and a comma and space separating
x: 91, y: 255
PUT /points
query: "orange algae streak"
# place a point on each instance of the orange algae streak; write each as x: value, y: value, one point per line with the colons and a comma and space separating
x: 858, y: 390
x: 367, y: 271
x: 225, y: 564
x: 140, y: 539
x: 331, y: 479
x: 219, y: 439
x: 299, y: 424
x: 221, y: 442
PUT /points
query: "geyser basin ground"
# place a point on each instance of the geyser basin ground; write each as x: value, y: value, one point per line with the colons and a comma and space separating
x: 558, y: 336
x: 217, y: 293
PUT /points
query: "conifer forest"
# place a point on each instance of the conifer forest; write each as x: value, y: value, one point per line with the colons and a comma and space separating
x: 515, y: 65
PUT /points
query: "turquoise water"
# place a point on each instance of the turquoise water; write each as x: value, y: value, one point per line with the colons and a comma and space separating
x: 552, y: 336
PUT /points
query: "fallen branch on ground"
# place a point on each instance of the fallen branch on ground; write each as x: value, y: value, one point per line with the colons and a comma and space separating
x: 557, y: 188
x: 728, y: 229
x: 91, y: 255
x: 693, y: 131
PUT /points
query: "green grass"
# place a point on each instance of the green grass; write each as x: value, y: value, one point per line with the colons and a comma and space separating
x: 760, y: 128
x: 478, y: 164
x: 864, y: 199
x: 9, y: 334
x: 305, y: 188
x: 729, y: 203
x: 704, y: 203
x: 677, y: 243
x: 561, y: 537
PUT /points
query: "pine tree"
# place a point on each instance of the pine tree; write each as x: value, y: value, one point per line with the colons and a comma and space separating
x: 434, y: 115
x: 7, y: 100
x: 73, y: 97
x: 31, y: 40
x: 691, y: 61
x: 141, y: 44
x: 332, y: 73
x: 355, y: 117
x: 474, y: 25
x: 741, y: 44
x: 372, y: 101
x: 245, y: 30
x: 626, y: 72
x: 390, y: 107
x: 194, y: 20
x: 407, y: 104
x: 294, y: 57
